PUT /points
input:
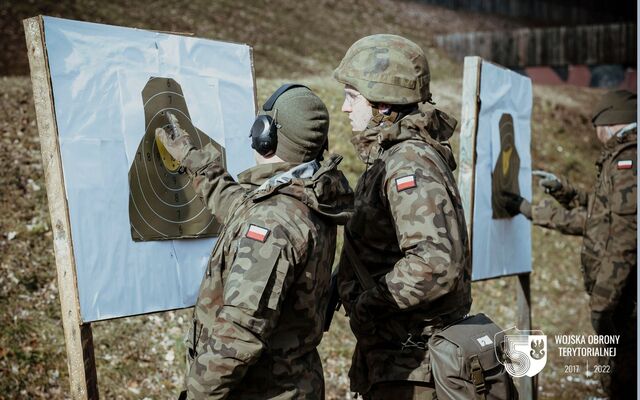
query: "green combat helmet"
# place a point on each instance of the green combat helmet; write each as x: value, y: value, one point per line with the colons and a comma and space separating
x: 386, y: 69
x: 615, y: 108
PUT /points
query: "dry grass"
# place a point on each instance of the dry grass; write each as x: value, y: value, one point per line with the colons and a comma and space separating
x: 143, y: 357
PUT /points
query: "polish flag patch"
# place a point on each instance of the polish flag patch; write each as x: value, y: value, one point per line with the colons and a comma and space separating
x: 405, y: 182
x: 625, y: 164
x: 258, y: 233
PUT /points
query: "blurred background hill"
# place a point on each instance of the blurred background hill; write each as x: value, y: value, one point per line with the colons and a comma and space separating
x: 303, y: 40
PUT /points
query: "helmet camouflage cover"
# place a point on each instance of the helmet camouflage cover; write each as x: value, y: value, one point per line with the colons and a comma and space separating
x: 386, y: 69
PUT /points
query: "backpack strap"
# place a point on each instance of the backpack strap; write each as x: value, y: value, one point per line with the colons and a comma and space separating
x: 477, y: 377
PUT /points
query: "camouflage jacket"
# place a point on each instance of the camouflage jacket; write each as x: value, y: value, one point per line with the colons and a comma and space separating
x: 409, y: 231
x: 260, y: 309
x: 607, y: 220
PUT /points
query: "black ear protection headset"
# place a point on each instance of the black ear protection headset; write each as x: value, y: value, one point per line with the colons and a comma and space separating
x: 264, y: 131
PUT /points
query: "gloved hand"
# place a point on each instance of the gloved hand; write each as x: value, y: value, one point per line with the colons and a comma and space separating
x: 516, y: 204
x: 551, y: 185
x: 360, y: 320
x: 178, y: 144
x: 602, y: 322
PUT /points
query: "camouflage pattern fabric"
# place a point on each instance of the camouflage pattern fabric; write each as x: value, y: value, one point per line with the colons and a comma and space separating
x: 260, y: 309
x: 607, y: 218
x: 409, y: 231
x: 386, y: 69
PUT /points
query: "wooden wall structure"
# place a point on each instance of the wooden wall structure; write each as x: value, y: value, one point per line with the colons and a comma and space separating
x: 557, y: 12
x: 560, y: 46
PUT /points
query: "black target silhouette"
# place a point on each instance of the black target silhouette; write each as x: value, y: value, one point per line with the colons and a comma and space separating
x: 162, y: 202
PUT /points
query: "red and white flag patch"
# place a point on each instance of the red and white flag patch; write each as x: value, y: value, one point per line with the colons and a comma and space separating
x: 405, y: 182
x: 625, y: 164
x: 258, y: 233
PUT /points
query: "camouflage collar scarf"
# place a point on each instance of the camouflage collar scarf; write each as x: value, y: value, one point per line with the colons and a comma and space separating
x: 256, y: 176
x: 366, y: 142
x: 627, y: 134
x: 302, y: 171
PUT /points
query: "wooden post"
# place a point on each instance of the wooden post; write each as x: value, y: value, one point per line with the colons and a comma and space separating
x: 468, y: 132
x: 528, y: 386
x: 78, y: 336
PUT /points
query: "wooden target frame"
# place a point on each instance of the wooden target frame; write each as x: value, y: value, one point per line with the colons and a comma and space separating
x: 77, y: 333
x: 466, y: 184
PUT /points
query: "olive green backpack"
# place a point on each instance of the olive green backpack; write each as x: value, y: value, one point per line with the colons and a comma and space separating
x: 464, y: 360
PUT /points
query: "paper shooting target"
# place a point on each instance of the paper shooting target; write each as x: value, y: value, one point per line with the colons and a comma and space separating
x: 162, y: 202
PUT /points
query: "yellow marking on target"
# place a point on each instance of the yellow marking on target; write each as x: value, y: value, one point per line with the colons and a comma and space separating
x: 169, y: 162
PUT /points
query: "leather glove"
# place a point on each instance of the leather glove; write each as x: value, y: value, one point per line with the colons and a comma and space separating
x: 516, y: 204
x: 178, y: 143
x: 551, y: 185
x: 360, y: 320
x: 602, y: 322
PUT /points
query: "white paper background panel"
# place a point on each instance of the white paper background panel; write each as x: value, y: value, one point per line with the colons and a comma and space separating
x: 501, y: 246
x: 98, y: 73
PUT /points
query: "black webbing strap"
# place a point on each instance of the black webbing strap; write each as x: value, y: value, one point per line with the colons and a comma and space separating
x: 478, y: 377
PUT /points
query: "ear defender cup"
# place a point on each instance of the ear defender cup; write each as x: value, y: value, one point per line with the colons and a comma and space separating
x: 264, y: 131
x: 264, y: 135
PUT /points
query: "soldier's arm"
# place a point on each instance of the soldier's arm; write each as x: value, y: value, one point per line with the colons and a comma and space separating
x: 427, y: 232
x: 621, y: 247
x: 211, y: 181
x: 259, y: 277
x: 567, y: 221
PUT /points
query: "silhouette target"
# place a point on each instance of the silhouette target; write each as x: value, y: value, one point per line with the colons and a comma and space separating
x: 504, y: 177
x: 162, y: 202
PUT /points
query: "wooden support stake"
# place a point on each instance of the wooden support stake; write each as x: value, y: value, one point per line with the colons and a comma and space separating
x: 468, y: 134
x: 78, y: 336
x: 528, y: 386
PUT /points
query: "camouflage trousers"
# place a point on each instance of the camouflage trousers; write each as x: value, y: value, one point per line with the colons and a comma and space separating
x: 400, y: 390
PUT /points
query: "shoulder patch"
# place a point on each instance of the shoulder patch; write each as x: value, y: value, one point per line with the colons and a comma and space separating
x: 405, y: 182
x: 625, y: 164
x: 258, y: 233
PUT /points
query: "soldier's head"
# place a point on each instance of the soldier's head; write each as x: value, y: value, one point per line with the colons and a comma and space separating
x: 292, y: 126
x: 615, y: 111
x: 382, y: 74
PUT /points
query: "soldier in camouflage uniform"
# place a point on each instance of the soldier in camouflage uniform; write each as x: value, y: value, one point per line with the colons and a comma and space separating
x: 607, y: 220
x: 408, y: 229
x: 260, y: 310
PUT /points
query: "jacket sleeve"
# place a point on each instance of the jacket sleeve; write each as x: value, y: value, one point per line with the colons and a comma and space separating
x: 259, y: 277
x: 428, y: 234
x: 568, y: 221
x: 211, y: 181
x: 619, y: 260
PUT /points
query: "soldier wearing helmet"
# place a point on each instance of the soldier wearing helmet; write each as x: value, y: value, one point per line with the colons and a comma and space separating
x: 606, y: 218
x: 407, y: 236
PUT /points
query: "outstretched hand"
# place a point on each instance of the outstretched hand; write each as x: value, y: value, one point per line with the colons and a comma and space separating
x: 177, y: 142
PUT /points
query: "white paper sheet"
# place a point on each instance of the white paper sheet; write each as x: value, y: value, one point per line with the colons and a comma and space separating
x: 501, y: 246
x: 98, y: 73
